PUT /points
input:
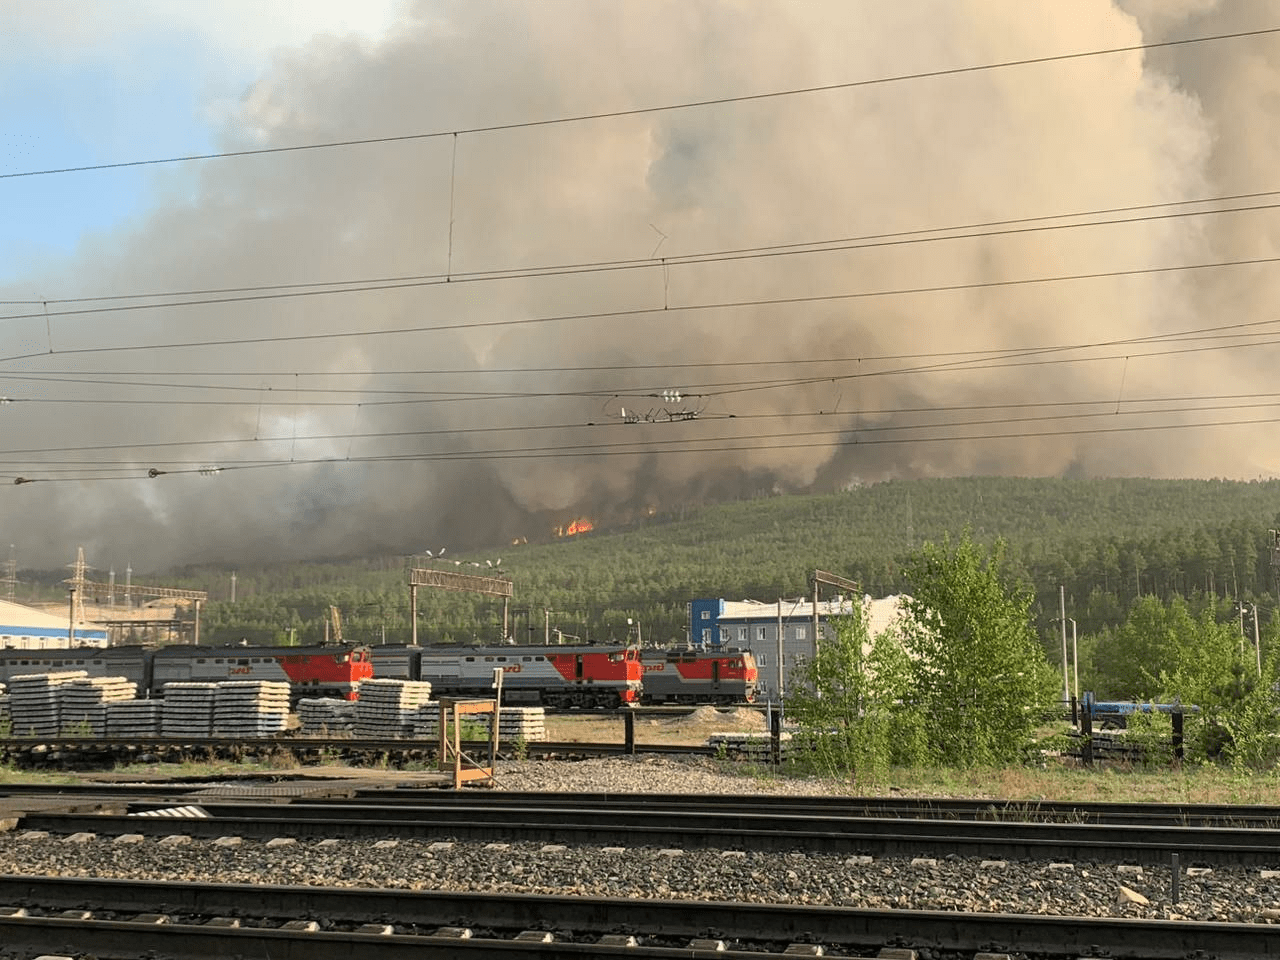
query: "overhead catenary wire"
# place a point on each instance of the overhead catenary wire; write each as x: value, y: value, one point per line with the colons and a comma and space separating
x: 918, y: 235
x: 1254, y: 400
x: 971, y: 361
x: 627, y: 313
x: 729, y: 446
x: 663, y: 108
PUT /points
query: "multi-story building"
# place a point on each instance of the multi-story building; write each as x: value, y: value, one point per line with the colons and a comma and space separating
x: 780, y: 635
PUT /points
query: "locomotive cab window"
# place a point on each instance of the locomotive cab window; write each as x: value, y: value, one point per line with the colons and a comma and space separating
x: 526, y: 659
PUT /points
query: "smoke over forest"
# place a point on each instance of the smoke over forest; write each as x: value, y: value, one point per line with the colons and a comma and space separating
x: 469, y: 338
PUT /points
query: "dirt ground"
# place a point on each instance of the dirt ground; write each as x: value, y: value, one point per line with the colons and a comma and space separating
x: 691, y: 730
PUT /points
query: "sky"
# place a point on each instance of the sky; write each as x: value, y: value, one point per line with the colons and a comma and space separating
x: 610, y: 260
x: 102, y: 82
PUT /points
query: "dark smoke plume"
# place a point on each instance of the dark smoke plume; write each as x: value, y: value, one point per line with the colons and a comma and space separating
x: 1019, y: 142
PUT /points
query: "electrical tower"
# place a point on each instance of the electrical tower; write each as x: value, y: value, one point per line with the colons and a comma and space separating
x: 80, y: 583
x: 10, y: 580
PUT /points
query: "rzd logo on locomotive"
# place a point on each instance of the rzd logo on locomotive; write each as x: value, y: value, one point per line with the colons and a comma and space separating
x: 511, y: 668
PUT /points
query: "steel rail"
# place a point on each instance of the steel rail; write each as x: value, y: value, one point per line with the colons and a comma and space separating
x: 642, y: 828
x: 1095, y: 812
x: 666, y: 922
x: 398, y: 745
x: 639, y: 811
x: 189, y: 790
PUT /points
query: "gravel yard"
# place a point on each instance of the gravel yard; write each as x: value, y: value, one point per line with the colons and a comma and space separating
x: 953, y: 883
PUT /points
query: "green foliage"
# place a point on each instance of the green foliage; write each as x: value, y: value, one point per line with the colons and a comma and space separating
x: 979, y: 674
x: 848, y: 702
x: 1163, y: 646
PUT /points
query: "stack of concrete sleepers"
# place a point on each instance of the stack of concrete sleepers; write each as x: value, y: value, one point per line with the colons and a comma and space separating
x: 389, y: 708
x: 84, y: 703
x: 517, y: 723
x: 188, y: 709
x: 326, y: 715
x: 757, y: 747
x: 251, y: 708
x: 134, y: 718
x: 35, y: 704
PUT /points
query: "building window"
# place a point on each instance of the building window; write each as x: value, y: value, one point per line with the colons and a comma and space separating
x: 706, y: 635
x: 742, y: 634
x: 801, y: 632
x: 762, y: 633
x: 706, y: 614
x: 761, y: 660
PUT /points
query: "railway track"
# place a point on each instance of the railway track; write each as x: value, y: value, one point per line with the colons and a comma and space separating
x: 289, y: 787
x: 189, y: 921
x: 1135, y: 814
x: 94, y: 753
x: 641, y: 822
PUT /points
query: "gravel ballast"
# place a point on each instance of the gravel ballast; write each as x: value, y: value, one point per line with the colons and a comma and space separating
x: 953, y: 883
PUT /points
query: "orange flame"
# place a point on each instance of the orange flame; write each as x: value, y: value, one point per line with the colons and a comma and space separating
x: 575, y: 527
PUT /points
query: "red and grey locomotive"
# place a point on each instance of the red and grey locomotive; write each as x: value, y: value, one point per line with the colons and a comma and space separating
x: 698, y: 676
x: 554, y: 676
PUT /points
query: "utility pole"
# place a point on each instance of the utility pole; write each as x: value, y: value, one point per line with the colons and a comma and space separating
x: 780, y: 648
x: 71, y: 617
x: 1257, y: 644
x: 1062, y: 611
x: 1075, y: 659
x: 413, y: 611
x: 233, y: 586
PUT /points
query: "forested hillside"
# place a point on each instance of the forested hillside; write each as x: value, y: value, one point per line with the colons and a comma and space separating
x: 1106, y: 541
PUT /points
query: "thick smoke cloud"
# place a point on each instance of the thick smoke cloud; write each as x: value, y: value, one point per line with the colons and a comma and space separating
x: 1020, y: 142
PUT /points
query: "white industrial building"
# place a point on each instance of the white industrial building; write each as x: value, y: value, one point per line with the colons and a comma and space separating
x: 25, y: 628
x: 754, y: 625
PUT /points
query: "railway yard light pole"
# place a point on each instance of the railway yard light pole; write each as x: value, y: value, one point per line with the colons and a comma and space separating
x: 1257, y: 645
x: 1062, y: 619
x: 1075, y: 659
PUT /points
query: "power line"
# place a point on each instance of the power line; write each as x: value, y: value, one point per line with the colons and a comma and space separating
x: 641, y: 111
x: 622, y: 314
x: 594, y: 452
x: 57, y: 375
x: 987, y: 229
x: 967, y: 361
x: 1127, y: 407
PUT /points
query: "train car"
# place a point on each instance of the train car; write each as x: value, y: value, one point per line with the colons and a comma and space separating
x: 698, y: 676
x: 312, y: 671
x: 395, y: 661
x: 128, y: 662
x: 328, y: 671
x: 555, y: 676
